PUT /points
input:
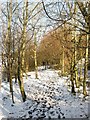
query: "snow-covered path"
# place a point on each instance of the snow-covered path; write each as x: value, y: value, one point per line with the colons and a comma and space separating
x: 47, y: 97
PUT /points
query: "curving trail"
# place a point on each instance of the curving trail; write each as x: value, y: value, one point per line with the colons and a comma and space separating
x: 47, y: 97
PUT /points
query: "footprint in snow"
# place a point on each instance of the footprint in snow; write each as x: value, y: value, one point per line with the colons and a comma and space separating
x: 29, y: 112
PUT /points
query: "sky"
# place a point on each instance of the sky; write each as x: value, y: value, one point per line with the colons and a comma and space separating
x: 29, y: 0
x: 19, y: 0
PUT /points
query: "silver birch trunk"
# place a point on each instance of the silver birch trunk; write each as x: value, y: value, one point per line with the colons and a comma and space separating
x: 85, y: 67
x: 21, y: 51
x: 75, y: 60
x: 35, y: 56
x: 9, y: 44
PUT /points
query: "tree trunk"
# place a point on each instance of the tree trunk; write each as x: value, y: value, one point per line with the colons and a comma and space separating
x: 35, y: 56
x: 63, y: 61
x: 9, y: 44
x: 75, y: 62
x: 25, y: 21
x: 20, y: 80
x: 85, y: 67
x: 86, y: 14
x: 81, y: 63
x: 75, y: 51
x: 21, y: 51
x: 72, y: 77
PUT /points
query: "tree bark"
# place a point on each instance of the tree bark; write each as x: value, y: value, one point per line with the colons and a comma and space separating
x: 35, y: 56
x: 86, y: 67
x: 9, y: 47
x: 20, y: 79
x: 63, y: 61
x: 21, y: 51
x: 72, y: 77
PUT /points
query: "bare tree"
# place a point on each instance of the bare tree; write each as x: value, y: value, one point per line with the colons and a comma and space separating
x: 85, y: 11
x: 9, y: 47
x: 21, y: 50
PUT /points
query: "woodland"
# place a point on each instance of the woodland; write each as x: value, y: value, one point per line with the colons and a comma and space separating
x: 39, y: 36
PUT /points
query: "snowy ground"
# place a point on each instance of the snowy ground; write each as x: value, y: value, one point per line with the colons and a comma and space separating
x: 47, y: 97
